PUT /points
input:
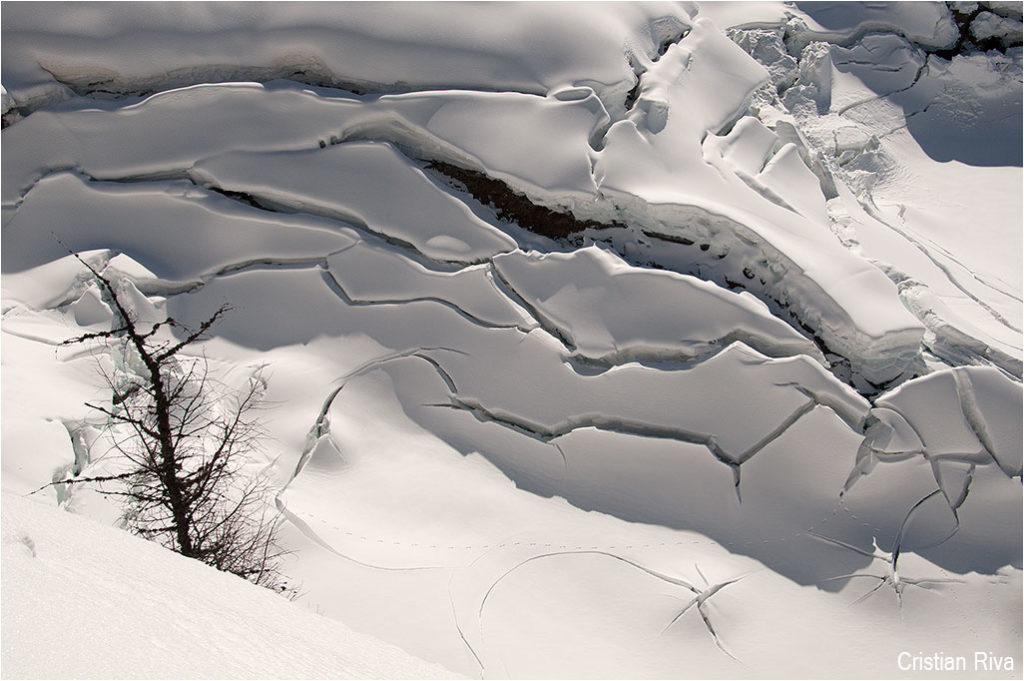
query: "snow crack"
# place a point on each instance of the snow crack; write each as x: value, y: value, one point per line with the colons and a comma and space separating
x: 700, y: 596
x: 613, y: 424
x: 333, y: 283
x: 700, y: 600
x: 893, y: 577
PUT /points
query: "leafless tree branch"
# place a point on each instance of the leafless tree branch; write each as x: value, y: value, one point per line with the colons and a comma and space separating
x: 186, y: 438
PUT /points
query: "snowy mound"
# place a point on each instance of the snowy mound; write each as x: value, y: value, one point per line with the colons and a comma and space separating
x: 631, y: 340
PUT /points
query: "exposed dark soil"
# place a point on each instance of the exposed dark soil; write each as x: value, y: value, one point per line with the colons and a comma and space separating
x: 242, y: 197
x: 514, y: 207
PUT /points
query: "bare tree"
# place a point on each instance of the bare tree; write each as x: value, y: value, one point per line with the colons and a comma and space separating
x: 185, y: 437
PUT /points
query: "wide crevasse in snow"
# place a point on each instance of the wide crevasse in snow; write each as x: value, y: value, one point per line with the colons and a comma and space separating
x: 644, y: 340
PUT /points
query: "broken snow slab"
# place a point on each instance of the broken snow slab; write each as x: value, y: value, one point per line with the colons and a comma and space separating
x: 470, y: 291
x: 967, y: 312
x: 711, y: 403
x: 656, y: 156
x: 163, y: 135
x: 365, y: 47
x: 539, y: 145
x: 368, y: 184
x: 884, y: 62
x: 176, y: 230
x: 769, y: 166
x: 451, y: 540
x: 988, y: 524
x: 968, y: 413
x: 956, y: 499
x: 903, y: 131
x: 611, y: 312
x: 961, y: 515
x: 644, y: 479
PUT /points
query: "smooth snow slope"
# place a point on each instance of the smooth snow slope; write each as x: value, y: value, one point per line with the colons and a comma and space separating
x: 136, y: 610
x: 757, y: 415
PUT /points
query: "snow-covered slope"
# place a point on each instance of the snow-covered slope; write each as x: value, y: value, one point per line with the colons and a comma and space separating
x: 631, y: 340
x: 129, y: 609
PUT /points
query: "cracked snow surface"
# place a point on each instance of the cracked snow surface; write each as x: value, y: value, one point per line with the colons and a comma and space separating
x: 658, y: 341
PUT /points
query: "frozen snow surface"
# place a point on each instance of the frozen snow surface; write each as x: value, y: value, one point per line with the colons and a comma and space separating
x: 603, y: 339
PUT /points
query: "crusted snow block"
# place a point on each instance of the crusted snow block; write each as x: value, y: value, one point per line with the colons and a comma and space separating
x: 813, y: 87
x: 1004, y: 8
x: 746, y: 148
x: 992, y: 405
x: 8, y: 107
x: 766, y: 46
x: 611, y: 312
x: 794, y: 183
x: 988, y: 25
x: 90, y: 309
x: 773, y: 168
x: 965, y: 413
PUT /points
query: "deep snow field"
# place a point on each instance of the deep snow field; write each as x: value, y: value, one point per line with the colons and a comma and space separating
x: 602, y: 340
